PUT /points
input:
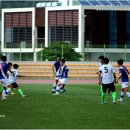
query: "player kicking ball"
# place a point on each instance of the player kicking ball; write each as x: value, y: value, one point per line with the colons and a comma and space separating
x: 63, y: 78
x: 13, y: 77
x: 123, y: 75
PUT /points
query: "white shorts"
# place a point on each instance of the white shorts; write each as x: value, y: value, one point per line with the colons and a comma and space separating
x: 63, y: 81
x: 125, y: 84
x: 5, y: 82
x: 57, y: 78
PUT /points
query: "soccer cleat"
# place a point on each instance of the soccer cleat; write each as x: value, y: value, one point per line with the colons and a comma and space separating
x: 120, y: 100
x: 103, y: 102
x: 114, y: 103
x: 13, y: 93
x: 64, y: 91
x: 24, y: 96
x: 4, y: 98
x: 53, y: 92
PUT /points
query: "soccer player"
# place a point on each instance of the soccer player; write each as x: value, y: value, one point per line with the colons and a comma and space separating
x: 4, y: 67
x: 123, y: 75
x: 64, y: 77
x: 13, y: 77
x: 107, y: 77
x: 101, y: 57
x: 101, y: 63
x: 55, y: 69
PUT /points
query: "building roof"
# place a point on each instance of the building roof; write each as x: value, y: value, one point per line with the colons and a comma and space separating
x: 117, y: 3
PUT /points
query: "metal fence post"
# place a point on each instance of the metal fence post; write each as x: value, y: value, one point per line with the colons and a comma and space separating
x: 62, y: 50
x: 41, y: 51
x: 20, y: 56
x: 125, y: 52
x: 104, y: 50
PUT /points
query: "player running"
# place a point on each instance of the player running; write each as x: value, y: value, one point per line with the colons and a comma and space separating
x: 64, y: 77
x: 56, y: 72
x: 13, y: 75
x: 123, y: 75
x: 4, y: 67
x: 107, y: 77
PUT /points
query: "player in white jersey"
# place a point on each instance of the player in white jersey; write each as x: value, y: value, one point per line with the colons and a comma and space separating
x: 107, y: 77
x: 101, y: 57
x: 13, y: 77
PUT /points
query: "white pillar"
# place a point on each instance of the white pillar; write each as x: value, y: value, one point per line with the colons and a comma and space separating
x: 81, y: 31
x: 2, y: 32
x: 46, y: 28
x: 34, y: 36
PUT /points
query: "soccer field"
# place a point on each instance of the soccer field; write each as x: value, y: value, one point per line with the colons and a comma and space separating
x: 79, y: 109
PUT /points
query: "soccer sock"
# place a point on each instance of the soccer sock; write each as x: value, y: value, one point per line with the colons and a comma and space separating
x: 114, y: 96
x: 101, y: 88
x: 102, y: 97
x: 1, y: 89
x: 8, y: 90
x: 57, y: 90
x: 54, y: 87
x: 122, y: 94
x: 4, y: 93
x: 128, y: 94
x: 20, y: 92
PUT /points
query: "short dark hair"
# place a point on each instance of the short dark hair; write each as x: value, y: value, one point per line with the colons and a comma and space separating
x: 120, y: 62
x: 4, y: 58
x: 62, y: 60
x: 16, y: 66
x: 105, y: 60
x: 59, y: 56
x: 10, y: 64
x: 101, y: 57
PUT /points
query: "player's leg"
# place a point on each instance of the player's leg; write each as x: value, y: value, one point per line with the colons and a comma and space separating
x: 58, y: 86
x: 20, y: 91
x: 1, y: 89
x: 125, y: 85
x: 108, y: 91
x: 55, y: 85
x: 64, y: 82
x: 121, y: 95
x: 4, y: 94
x: 104, y: 88
x: 112, y: 88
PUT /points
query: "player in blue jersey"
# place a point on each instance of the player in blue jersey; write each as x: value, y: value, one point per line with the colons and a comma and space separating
x: 64, y: 77
x: 4, y: 68
x: 123, y: 75
x: 55, y: 69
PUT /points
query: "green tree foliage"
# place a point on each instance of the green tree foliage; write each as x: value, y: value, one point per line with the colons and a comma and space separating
x: 56, y: 48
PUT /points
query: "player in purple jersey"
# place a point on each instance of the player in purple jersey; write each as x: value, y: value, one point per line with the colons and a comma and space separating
x: 123, y: 75
x: 64, y: 77
x: 4, y: 67
x: 55, y: 69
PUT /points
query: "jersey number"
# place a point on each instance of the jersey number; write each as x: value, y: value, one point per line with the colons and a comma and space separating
x: 106, y: 69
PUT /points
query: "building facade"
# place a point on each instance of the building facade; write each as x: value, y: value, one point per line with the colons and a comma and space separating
x: 92, y: 27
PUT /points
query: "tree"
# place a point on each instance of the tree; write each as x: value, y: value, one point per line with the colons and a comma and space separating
x: 54, y: 49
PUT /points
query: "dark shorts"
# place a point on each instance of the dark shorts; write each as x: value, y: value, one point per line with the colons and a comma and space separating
x: 15, y: 85
x: 110, y: 86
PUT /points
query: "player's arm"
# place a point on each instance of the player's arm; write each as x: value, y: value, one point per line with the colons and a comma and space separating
x: 53, y: 70
x: 120, y: 75
x: 114, y: 75
x: 99, y: 77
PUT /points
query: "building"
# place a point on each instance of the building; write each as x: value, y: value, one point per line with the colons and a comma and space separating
x: 94, y: 27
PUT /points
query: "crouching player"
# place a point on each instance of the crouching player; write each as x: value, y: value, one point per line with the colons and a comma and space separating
x: 13, y: 74
x: 123, y: 75
x: 64, y: 77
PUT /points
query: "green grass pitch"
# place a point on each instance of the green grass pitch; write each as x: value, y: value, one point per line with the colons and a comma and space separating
x: 79, y: 109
